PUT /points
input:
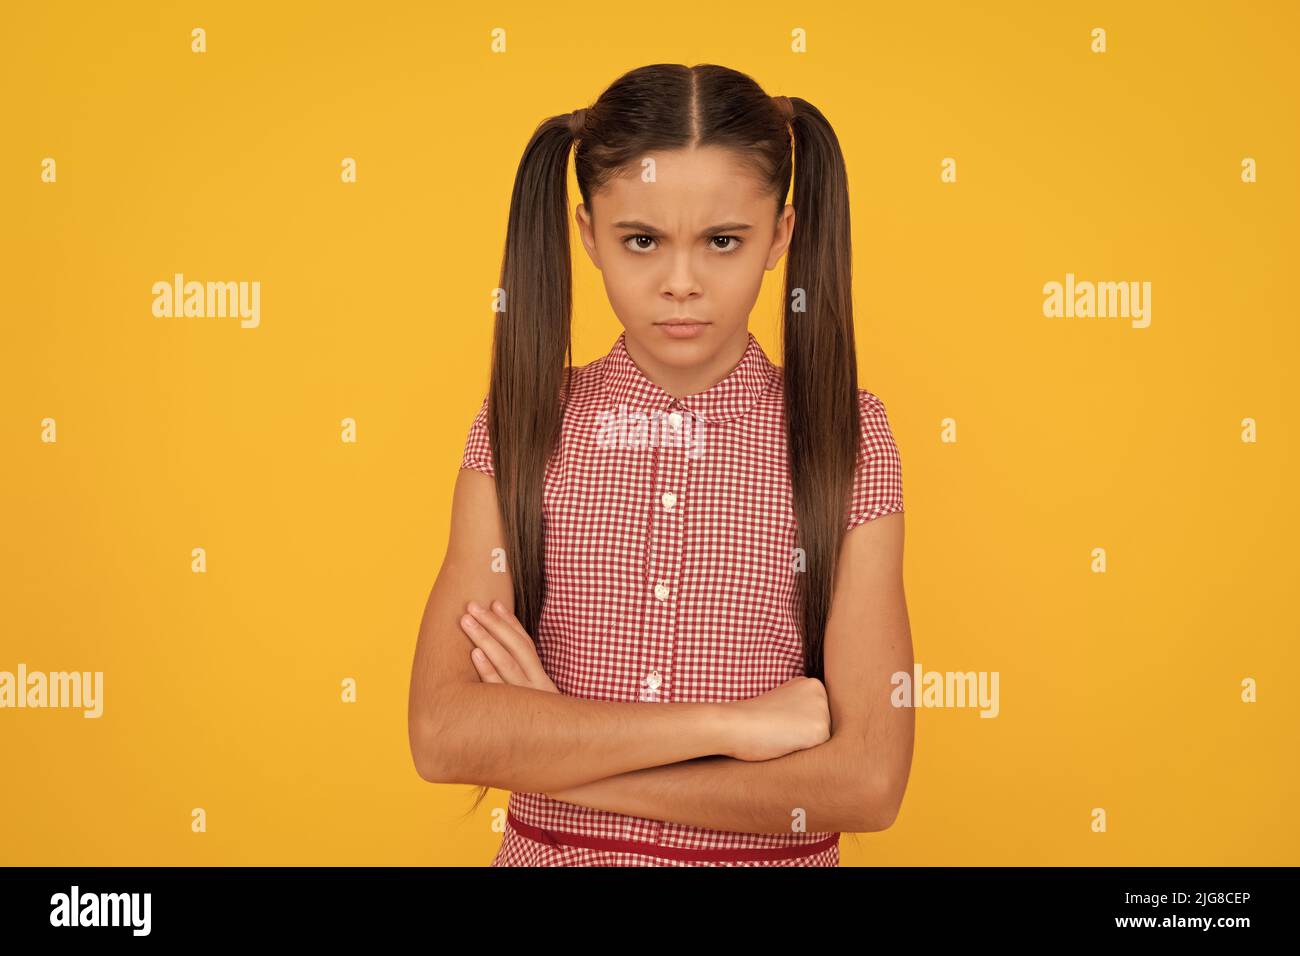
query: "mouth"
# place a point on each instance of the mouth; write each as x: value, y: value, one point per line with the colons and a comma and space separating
x: 683, y: 327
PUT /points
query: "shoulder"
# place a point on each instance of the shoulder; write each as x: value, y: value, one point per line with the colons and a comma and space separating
x: 872, y: 416
x: 877, y: 487
x: 581, y: 393
x: 878, y: 477
x: 871, y: 408
x: 586, y: 384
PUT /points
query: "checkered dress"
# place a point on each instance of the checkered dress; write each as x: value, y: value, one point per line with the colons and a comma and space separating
x: 670, y: 576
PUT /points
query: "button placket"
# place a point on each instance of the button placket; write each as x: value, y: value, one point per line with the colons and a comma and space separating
x: 664, y: 564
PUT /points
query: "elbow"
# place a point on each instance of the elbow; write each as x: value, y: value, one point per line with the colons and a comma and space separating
x: 427, y: 750
x: 439, y: 749
x: 878, y: 804
x: 424, y: 754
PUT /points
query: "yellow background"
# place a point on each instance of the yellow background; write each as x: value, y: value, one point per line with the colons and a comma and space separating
x: 222, y: 690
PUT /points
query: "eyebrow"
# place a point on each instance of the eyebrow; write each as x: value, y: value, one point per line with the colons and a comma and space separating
x: 647, y: 228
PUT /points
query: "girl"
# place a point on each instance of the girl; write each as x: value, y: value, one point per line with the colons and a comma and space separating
x: 689, y: 658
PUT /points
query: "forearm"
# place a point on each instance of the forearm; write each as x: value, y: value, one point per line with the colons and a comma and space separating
x: 821, y: 786
x: 518, y: 738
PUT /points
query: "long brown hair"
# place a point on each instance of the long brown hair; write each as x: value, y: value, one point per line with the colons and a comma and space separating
x: 658, y: 108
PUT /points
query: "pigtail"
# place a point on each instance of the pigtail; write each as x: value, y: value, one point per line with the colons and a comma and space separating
x: 821, y: 376
x: 532, y: 356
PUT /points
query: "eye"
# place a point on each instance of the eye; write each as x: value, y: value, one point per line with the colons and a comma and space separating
x: 634, y: 239
x: 734, y: 240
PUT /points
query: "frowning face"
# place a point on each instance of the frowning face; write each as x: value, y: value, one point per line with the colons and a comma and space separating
x: 682, y: 244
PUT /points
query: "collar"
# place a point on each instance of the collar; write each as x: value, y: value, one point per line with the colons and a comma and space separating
x: 725, y: 400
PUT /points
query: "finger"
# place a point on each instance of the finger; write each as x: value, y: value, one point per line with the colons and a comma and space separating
x: 486, y: 672
x: 510, y: 619
x: 499, y: 656
x: 521, y: 652
x: 516, y: 642
x: 498, y: 614
x: 541, y: 678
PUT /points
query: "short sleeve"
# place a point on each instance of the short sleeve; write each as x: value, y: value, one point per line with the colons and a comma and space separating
x: 878, y: 478
x: 478, y: 448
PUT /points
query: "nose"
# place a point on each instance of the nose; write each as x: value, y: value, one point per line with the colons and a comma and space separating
x: 681, y: 283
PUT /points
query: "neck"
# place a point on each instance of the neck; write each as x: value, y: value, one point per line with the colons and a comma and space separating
x: 681, y: 382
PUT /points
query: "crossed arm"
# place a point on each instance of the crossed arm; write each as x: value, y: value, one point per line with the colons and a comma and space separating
x: 665, y: 760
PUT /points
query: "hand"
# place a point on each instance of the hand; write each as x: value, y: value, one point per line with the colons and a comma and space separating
x: 503, y: 652
x: 794, y: 716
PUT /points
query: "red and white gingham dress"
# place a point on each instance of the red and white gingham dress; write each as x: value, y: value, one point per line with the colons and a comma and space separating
x: 670, y: 576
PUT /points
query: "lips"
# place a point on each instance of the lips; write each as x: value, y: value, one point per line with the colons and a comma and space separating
x: 683, y: 328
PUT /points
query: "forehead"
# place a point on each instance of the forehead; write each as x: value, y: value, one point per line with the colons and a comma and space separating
x: 688, y: 185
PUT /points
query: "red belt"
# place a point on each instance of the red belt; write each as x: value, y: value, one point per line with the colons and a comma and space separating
x: 558, y: 838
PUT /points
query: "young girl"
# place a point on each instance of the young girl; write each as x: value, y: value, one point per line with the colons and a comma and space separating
x: 688, y: 659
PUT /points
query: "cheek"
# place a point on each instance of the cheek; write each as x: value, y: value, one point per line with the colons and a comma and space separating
x: 625, y: 284
x: 740, y: 281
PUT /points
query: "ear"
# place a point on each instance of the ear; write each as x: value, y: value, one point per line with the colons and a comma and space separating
x: 781, y: 238
x: 587, y: 231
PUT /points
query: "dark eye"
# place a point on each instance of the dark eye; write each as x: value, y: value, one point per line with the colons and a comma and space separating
x: 635, y: 238
x: 734, y: 240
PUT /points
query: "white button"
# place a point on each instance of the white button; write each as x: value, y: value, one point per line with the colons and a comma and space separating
x: 653, y: 680
x: 661, y: 592
x: 669, y: 499
x: 675, y: 419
